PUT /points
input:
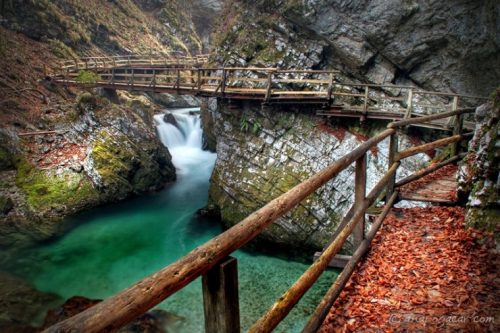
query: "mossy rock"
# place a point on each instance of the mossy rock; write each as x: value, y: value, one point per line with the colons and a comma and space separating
x: 6, y: 162
x: 123, y: 167
x: 6, y: 204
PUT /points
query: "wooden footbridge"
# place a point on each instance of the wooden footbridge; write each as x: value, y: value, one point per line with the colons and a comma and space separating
x: 186, y: 76
x: 218, y: 270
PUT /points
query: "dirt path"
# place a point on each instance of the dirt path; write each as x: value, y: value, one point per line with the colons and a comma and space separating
x: 424, y: 273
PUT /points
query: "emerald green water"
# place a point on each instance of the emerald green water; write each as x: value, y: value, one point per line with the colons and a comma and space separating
x: 112, y: 247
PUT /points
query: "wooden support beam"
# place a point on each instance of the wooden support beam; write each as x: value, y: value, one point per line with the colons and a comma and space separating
x: 428, y: 146
x: 331, y: 296
x: 393, y: 149
x: 410, y: 104
x: 359, y: 196
x: 365, y: 105
x: 339, y: 261
x: 220, y: 298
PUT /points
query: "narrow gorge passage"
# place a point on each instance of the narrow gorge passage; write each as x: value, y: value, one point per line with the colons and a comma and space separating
x: 112, y: 247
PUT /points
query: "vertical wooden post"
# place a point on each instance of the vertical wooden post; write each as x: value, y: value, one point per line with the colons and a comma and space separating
x: 365, y: 106
x: 269, y: 86
x: 359, y: 197
x: 457, y: 129
x: 154, y: 80
x: 112, y: 76
x: 132, y: 78
x: 220, y: 298
x: 199, y: 79
x: 393, y: 149
x: 223, y: 82
x: 330, y: 88
x: 410, y: 104
x: 178, y: 78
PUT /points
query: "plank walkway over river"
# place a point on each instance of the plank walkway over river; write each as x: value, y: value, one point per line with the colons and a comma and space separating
x: 320, y: 88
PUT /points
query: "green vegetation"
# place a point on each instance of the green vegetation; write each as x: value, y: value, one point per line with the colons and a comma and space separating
x: 495, y: 98
x: 86, y: 77
x: 48, y: 188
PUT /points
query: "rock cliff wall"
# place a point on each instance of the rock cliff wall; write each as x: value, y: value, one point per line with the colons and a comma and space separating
x: 262, y: 154
x: 439, y: 45
x: 100, y: 153
x: 479, y: 179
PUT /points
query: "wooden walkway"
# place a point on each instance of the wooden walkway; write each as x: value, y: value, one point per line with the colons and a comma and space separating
x: 320, y: 88
x: 440, y: 191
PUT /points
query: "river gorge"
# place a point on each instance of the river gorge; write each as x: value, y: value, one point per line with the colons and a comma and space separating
x: 109, y: 248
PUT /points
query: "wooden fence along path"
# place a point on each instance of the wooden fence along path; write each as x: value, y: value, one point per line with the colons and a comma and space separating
x: 212, y: 260
x: 269, y: 85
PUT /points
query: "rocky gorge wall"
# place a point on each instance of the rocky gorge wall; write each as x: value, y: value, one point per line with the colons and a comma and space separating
x: 106, y: 152
x: 449, y: 46
x: 263, y: 153
x: 479, y: 178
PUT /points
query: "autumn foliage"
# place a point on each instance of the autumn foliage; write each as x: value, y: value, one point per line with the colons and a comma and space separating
x: 423, y: 273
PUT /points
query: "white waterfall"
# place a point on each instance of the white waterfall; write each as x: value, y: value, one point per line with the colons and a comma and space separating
x: 184, y: 142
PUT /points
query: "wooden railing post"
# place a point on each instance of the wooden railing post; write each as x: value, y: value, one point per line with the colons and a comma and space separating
x: 199, y: 79
x: 330, y: 88
x: 458, y: 123
x: 220, y: 297
x: 269, y: 86
x: 223, y: 82
x: 178, y: 83
x: 154, y: 80
x: 393, y: 149
x: 359, y: 197
x: 365, y: 106
x: 410, y: 104
x: 132, y: 78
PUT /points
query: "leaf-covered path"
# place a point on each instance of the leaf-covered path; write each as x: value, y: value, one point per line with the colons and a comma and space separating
x: 424, y: 273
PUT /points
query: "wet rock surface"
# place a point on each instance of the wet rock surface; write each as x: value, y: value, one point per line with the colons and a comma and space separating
x: 22, y: 307
x: 263, y: 154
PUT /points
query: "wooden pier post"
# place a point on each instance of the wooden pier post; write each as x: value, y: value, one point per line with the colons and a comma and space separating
x: 393, y: 150
x: 359, y: 197
x: 220, y: 297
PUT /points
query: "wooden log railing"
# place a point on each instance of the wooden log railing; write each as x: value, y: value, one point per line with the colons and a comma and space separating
x: 211, y: 260
x: 91, y: 63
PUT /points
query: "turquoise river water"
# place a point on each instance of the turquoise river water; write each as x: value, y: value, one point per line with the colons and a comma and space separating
x: 112, y: 247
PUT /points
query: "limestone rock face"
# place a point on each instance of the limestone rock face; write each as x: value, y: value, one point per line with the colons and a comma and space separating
x: 263, y: 154
x: 438, y: 45
x: 479, y: 180
x: 105, y: 154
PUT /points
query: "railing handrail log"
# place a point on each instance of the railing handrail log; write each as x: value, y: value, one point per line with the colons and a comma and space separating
x: 424, y: 119
x: 425, y: 147
x: 118, y: 310
x: 333, y: 293
x: 291, y: 297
